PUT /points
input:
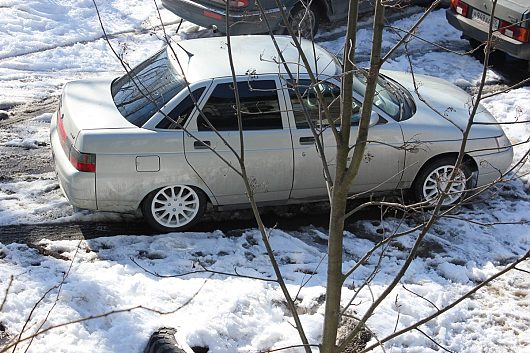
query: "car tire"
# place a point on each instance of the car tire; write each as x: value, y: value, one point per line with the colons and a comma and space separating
x: 496, y: 57
x: 174, y: 208
x: 304, y: 20
x: 432, y: 180
x: 474, y: 44
x: 163, y: 341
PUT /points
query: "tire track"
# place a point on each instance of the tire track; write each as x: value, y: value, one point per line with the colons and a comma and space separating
x: 29, y: 110
x: 297, y: 219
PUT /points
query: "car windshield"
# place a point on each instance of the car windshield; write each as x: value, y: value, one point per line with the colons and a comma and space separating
x: 390, y: 96
x: 146, y: 88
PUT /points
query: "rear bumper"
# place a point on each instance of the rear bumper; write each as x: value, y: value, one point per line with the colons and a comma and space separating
x: 78, y: 187
x: 478, y: 31
x: 248, y: 22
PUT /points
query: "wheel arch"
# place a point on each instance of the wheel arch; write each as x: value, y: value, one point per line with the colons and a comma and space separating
x: 175, y: 211
x: 210, y: 198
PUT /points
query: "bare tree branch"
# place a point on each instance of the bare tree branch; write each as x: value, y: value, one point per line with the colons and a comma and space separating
x: 463, y: 297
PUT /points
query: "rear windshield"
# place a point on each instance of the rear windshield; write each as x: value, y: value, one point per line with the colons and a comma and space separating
x: 146, y: 88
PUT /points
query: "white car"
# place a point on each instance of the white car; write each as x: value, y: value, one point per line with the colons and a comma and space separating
x: 118, y: 149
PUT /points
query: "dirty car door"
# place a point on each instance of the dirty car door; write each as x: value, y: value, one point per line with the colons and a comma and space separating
x: 267, y: 144
x: 383, y: 160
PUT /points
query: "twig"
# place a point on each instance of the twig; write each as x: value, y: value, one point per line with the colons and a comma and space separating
x: 204, y: 270
x: 6, y: 292
x: 465, y: 296
x: 99, y: 316
x: 433, y: 341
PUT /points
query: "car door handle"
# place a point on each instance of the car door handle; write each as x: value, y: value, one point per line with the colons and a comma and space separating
x: 201, y: 145
x: 307, y: 140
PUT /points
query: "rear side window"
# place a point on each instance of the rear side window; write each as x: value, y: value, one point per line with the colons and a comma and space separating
x: 180, y: 114
x: 146, y: 88
x: 260, y: 109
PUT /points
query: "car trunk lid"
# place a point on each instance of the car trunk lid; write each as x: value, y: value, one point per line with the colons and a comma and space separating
x: 512, y: 11
x: 88, y: 105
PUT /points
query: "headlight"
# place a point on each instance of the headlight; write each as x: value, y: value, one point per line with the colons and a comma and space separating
x: 503, y: 142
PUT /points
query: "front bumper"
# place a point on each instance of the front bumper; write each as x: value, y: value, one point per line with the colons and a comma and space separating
x: 248, y: 22
x: 478, y: 31
x: 78, y: 187
x: 493, y: 166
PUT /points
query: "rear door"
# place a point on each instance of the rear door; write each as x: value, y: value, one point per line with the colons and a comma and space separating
x: 213, y: 140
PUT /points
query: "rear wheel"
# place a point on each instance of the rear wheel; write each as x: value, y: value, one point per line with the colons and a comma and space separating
x: 304, y: 20
x: 477, y: 49
x: 496, y: 57
x: 433, y: 180
x: 174, y: 208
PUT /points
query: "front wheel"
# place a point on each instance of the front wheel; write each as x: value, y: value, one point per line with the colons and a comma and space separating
x: 433, y: 180
x: 174, y: 208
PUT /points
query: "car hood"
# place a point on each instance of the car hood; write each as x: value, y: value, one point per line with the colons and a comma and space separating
x: 440, y: 104
x: 88, y: 105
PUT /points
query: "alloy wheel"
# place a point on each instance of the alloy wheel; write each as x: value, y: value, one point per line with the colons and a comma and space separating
x: 175, y: 206
x: 436, y: 182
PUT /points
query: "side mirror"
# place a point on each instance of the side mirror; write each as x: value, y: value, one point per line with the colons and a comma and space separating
x: 374, y: 119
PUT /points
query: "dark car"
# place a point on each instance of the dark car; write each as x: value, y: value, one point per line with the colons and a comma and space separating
x: 245, y: 16
x: 511, y: 24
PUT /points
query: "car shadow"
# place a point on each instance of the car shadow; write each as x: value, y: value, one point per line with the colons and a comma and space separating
x: 233, y: 222
x: 511, y: 69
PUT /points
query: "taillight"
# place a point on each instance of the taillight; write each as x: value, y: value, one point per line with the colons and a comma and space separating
x: 459, y: 7
x: 84, y: 162
x: 213, y: 15
x: 237, y: 4
x: 516, y: 32
x: 233, y: 4
x: 63, y: 137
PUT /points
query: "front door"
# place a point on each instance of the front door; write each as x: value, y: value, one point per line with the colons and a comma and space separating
x: 384, y: 156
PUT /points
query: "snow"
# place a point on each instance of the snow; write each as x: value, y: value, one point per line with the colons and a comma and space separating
x: 45, y: 43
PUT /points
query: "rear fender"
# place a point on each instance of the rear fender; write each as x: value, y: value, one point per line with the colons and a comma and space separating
x: 197, y: 183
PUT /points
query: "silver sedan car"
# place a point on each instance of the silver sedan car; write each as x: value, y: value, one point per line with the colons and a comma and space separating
x: 162, y: 137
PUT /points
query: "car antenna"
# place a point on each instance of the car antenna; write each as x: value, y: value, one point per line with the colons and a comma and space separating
x: 180, y: 46
x: 190, y: 55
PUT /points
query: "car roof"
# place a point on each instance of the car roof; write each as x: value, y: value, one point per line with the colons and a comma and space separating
x: 206, y: 58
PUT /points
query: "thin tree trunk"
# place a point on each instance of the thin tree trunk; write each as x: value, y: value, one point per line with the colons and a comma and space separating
x: 334, y: 274
x: 345, y: 174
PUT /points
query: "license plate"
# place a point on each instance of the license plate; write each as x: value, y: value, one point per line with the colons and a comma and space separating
x: 484, y: 18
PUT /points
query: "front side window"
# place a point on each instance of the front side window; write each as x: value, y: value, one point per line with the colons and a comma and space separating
x: 146, y: 88
x: 308, y: 93
x: 260, y: 109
